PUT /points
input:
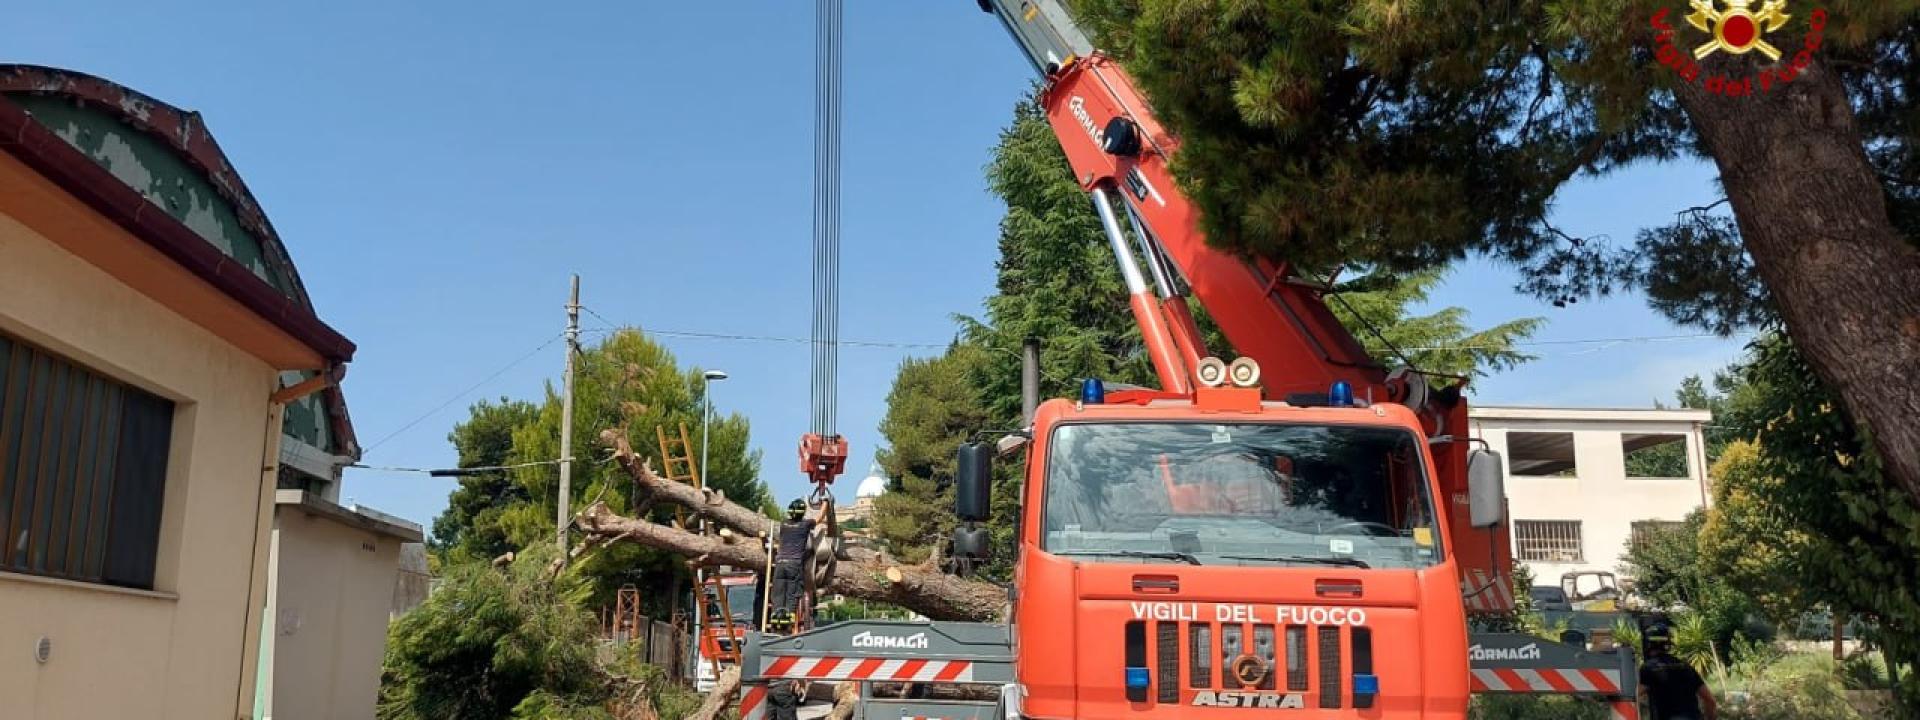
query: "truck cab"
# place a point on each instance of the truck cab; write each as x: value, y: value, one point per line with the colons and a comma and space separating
x: 1192, y: 555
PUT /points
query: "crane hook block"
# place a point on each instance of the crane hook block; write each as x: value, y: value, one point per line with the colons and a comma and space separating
x: 822, y: 457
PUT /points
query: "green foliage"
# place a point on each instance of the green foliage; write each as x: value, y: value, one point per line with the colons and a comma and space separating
x: 1666, y: 460
x: 489, y: 641
x: 1670, y: 572
x: 914, y: 519
x: 851, y: 609
x: 1850, y: 537
x: 470, y: 527
x: 1866, y: 671
x: 1438, y: 342
x: 1749, y: 544
x: 1407, y: 135
x: 933, y: 408
x: 1626, y: 634
x: 1802, y: 520
x: 1535, y: 707
x: 628, y: 382
x: 1806, y: 686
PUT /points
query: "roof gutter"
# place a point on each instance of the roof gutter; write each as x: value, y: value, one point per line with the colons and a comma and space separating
x: 25, y: 138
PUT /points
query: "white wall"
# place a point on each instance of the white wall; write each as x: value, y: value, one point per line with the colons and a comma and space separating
x: 1600, y: 496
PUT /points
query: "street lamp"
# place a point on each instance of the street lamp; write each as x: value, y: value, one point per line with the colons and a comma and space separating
x: 706, y: 392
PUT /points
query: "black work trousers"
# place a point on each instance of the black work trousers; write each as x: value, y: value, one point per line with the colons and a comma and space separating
x: 788, y: 583
x: 782, y: 702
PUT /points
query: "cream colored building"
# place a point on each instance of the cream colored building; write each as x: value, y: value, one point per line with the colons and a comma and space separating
x: 328, y: 605
x: 1582, y: 482
x: 159, y: 361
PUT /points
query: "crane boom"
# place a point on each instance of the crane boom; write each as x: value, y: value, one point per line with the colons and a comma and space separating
x: 1268, y: 311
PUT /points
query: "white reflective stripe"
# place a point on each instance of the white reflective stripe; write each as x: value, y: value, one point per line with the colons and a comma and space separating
x: 1577, y: 680
x: 1491, y: 680
x: 1504, y: 595
x: 887, y: 669
x: 803, y: 668
x: 843, y: 670
x: 929, y: 670
x: 1533, y: 680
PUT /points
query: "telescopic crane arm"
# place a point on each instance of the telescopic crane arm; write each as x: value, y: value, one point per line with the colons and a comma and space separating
x: 1268, y: 310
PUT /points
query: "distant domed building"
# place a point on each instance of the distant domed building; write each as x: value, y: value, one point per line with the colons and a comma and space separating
x: 874, y: 486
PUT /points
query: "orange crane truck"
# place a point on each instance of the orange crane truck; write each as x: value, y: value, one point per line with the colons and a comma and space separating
x: 1298, y: 530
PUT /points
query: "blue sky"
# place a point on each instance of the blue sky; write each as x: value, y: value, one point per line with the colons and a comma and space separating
x: 437, y: 175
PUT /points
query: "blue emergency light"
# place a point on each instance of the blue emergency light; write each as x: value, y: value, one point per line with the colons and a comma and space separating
x: 1092, y: 392
x: 1138, y: 679
x: 1340, y: 395
x: 1366, y: 685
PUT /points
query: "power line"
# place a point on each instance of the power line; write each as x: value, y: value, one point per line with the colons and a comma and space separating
x: 451, y: 472
x: 476, y: 470
x: 1640, y: 339
x: 700, y: 335
x: 464, y: 393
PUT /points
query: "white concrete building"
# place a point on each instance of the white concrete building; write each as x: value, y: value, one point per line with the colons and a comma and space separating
x: 1582, y: 482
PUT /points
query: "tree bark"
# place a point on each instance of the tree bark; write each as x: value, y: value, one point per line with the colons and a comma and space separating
x: 1813, y: 217
x: 709, y: 503
x: 865, y: 574
x: 869, y: 576
x: 846, y: 698
x: 725, y: 689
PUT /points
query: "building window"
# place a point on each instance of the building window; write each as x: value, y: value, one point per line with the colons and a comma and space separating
x: 1548, y: 540
x: 83, y: 464
x: 1541, y: 454
x: 1645, y: 530
x: 1655, y: 456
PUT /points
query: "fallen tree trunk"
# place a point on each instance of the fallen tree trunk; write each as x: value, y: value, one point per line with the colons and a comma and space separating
x: 718, y: 701
x: 846, y: 699
x: 866, y: 574
x: 869, y: 575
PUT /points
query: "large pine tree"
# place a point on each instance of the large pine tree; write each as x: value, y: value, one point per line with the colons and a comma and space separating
x: 1410, y: 134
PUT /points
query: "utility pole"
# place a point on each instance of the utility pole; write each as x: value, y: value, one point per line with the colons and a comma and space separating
x: 566, y: 418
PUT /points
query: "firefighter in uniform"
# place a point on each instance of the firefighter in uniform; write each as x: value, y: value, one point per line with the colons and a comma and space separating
x: 790, y: 553
x: 1672, y: 689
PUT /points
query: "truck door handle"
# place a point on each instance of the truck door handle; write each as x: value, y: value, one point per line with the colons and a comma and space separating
x: 1156, y: 584
x: 1337, y: 588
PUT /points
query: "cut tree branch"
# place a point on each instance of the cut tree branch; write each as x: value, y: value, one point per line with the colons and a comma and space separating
x: 708, y: 502
x: 717, y: 702
x: 868, y: 575
x: 865, y: 574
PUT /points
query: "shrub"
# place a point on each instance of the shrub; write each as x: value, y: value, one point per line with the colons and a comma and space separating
x: 1535, y: 707
x: 1805, y: 686
x: 493, y: 643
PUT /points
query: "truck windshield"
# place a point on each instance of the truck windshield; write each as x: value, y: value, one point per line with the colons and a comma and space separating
x: 1239, y: 494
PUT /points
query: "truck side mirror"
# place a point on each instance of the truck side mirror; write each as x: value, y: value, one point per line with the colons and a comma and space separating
x: 1486, y: 489
x: 972, y: 543
x: 973, y: 483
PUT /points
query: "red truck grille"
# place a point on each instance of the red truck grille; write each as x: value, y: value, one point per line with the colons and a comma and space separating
x: 1203, y: 655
